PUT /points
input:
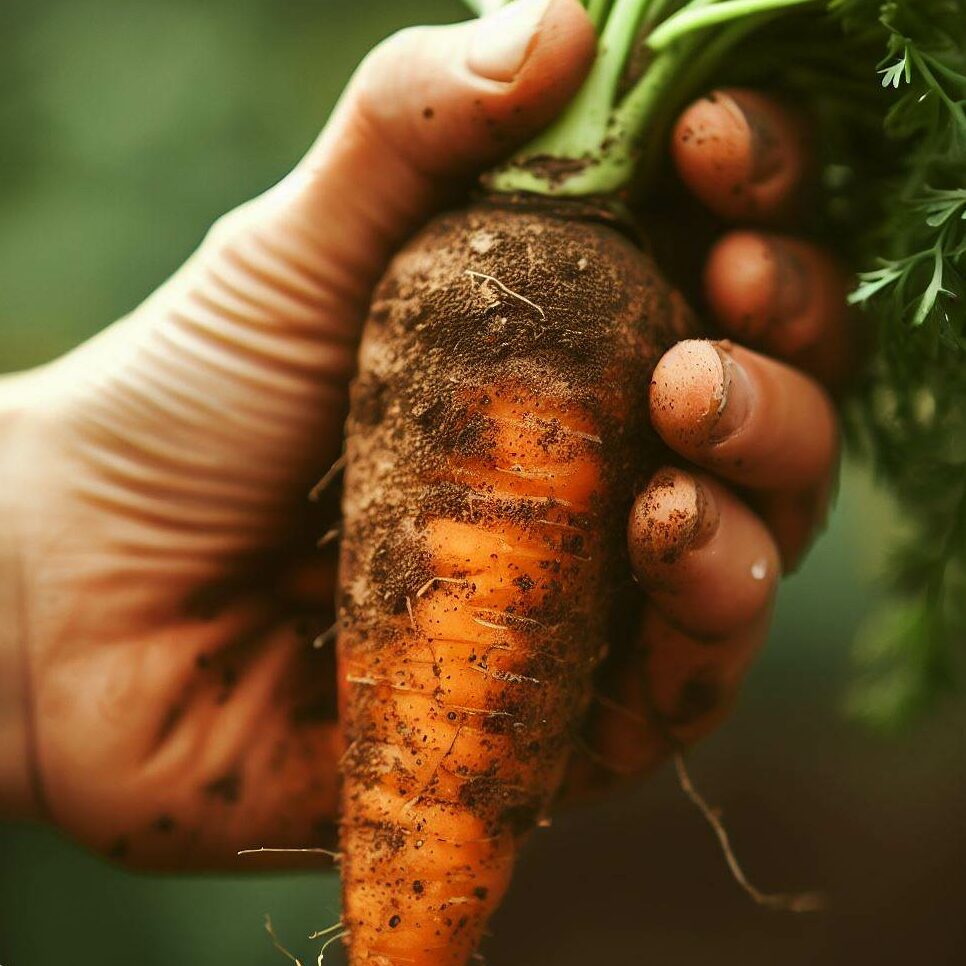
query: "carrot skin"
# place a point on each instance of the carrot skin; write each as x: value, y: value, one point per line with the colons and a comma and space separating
x: 496, y: 437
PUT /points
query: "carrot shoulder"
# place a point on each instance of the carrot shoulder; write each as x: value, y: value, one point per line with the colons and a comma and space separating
x: 497, y: 432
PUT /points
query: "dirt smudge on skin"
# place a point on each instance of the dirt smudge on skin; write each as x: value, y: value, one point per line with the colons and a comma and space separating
x: 164, y: 823
x: 228, y: 788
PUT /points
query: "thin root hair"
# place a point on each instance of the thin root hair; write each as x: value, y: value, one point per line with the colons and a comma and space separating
x: 412, y: 617
x: 333, y: 471
x: 789, y: 902
x: 335, y: 856
x: 442, y: 580
x: 329, y: 942
x: 503, y: 288
x: 328, y: 635
x: 270, y: 929
x: 325, y: 932
x: 330, y: 536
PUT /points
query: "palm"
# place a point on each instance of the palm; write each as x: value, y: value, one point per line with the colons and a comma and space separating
x: 191, y: 716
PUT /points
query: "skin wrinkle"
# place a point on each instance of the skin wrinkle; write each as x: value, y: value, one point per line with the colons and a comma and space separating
x: 176, y: 486
x: 171, y: 505
x: 281, y: 214
x: 234, y: 369
x: 159, y: 513
x: 195, y: 410
x: 237, y: 281
x: 297, y: 243
x: 113, y: 417
x: 223, y: 304
x: 248, y: 303
x: 275, y: 272
x: 118, y: 395
x: 106, y: 441
x: 265, y: 348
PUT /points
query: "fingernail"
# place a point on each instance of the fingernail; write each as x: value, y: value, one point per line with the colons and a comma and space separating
x: 736, y: 395
x: 673, y: 515
x: 765, y: 150
x: 790, y: 290
x: 503, y: 40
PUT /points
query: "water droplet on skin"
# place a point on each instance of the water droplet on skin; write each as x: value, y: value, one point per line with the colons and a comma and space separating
x: 759, y: 569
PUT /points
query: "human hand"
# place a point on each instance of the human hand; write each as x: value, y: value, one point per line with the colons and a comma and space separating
x: 174, y: 708
x: 752, y: 427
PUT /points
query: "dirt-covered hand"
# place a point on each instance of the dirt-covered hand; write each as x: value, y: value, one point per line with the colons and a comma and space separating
x: 753, y: 429
x: 168, y: 588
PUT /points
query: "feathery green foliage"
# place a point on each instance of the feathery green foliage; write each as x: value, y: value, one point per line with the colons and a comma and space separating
x: 910, y: 413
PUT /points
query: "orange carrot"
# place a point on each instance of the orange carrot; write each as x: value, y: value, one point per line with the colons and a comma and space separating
x: 497, y: 432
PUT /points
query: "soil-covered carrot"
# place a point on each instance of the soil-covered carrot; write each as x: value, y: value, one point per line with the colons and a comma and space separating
x: 497, y: 434
x: 498, y: 428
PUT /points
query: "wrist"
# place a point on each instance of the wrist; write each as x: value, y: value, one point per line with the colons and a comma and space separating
x: 19, y: 797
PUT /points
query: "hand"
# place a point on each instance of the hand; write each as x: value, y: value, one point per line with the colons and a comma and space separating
x: 754, y: 433
x: 174, y: 708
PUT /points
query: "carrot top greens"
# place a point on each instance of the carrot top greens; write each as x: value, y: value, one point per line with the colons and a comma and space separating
x: 886, y: 82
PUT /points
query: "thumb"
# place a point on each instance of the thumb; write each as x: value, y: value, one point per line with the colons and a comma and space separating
x: 427, y: 110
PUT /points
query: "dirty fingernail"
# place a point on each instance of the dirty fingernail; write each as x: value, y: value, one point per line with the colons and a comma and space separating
x: 736, y: 396
x: 503, y: 40
x: 673, y: 515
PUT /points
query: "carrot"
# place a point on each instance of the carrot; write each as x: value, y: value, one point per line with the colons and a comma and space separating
x: 498, y: 429
x: 496, y: 437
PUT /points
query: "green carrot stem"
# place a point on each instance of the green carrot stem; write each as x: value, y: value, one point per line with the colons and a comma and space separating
x: 693, y: 18
x: 595, y: 146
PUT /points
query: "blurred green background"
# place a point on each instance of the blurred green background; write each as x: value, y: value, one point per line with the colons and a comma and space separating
x: 126, y: 127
